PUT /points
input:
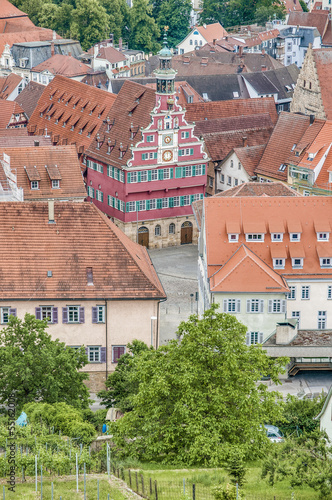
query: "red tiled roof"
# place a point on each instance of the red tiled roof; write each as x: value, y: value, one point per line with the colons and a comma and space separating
x: 33, y: 35
x: 323, y: 63
x: 63, y: 65
x: 110, y: 54
x: 29, y: 97
x: 73, y: 96
x: 19, y: 138
x: 81, y: 237
x: 8, y: 10
x: 182, y: 90
x: 327, y: 39
x: 8, y: 84
x: 16, y: 24
x: 249, y: 157
x: 131, y: 109
x: 261, y: 37
x: 292, y: 211
x: 211, y: 31
x: 64, y: 158
x: 7, y: 109
x: 317, y: 18
x: 292, y: 5
x: 12, y: 134
x: 237, y: 107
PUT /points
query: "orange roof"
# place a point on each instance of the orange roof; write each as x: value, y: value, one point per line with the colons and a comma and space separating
x: 211, y: 31
x: 249, y: 157
x: 81, y: 237
x: 298, y: 214
x: 44, y: 159
x: 259, y: 277
x: 292, y: 5
x: 8, y: 84
x: 63, y: 65
x: 33, y: 35
x: 7, y: 110
x: 73, y: 96
x: 110, y: 54
x: 323, y: 64
x: 29, y: 97
x: 317, y: 18
x: 8, y: 10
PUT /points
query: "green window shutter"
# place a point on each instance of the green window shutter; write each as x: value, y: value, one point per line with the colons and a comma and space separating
x: 183, y: 171
x: 171, y: 202
x: 181, y: 201
x: 102, y: 169
x: 147, y: 204
x: 137, y: 206
x: 192, y: 197
x: 149, y: 175
x: 108, y: 171
x: 171, y: 173
x: 127, y: 207
x: 178, y: 172
x: 159, y: 203
x: 191, y: 151
x: 128, y: 178
x: 201, y: 196
x: 161, y: 174
x: 102, y: 196
x: 180, y: 152
x: 193, y: 170
x: 108, y: 200
x: 203, y: 169
x: 93, y: 193
x: 138, y: 176
x: 155, y: 155
x: 143, y: 156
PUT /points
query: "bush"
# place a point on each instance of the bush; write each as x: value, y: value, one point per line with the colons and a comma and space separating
x: 227, y: 492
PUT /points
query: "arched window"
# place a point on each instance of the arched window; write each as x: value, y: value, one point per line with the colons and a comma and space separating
x: 171, y: 228
x: 157, y: 230
x: 232, y: 163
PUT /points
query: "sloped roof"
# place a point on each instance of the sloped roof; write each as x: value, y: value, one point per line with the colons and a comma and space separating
x: 211, y: 31
x: 280, y: 81
x: 16, y: 24
x: 8, y: 10
x: 7, y: 109
x: 182, y: 91
x: 110, y: 54
x: 44, y: 158
x: 260, y: 211
x: 81, y: 237
x: 36, y: 34
x: 8, y: 84
x: 292, y: 5
x: 29, y: 97
x: 73, y: 96
x: 63, y: 65
x: 323, y: 63
x: 131, y: 109
x: 250, y: 157
x: 316, y: 18
x: 237, y: 107
x: 19, y: 138
x: 259, y: 277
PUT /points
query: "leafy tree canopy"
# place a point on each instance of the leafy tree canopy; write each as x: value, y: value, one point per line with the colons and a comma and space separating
x: 144, y: 30
x: 36, y: 368
x: 90, y: 23
x: 198, y: 397
x: 175, y: 14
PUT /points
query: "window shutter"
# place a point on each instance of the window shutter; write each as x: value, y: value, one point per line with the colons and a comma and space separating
x: 261, y: 306
x: 108, y: 170
x: 203, y: 169
x: 127, y: 207
x: 225, y: 305
x: 87, y: 351
x: 128, y: 178
x: 283, y: 306
x: 81, y: 314
x: 102, y: 196
x: 171, y: 202
x: 138, y: 176
x: 192, y: 198
x: 260, y: 338
x: 238, y: 305
x: 201, y: 196
x: 64, y: 315
x: 149, y: 175
x: 93, y: 192
x: 55, y: 315
x: 103, y: 354
x: 193, y: 170
x: 180, y: 152
x: 147, y: 204
x: 248, y: 305
x: 270, y: 305
x: 159, y: 203
x: 38, y: 312
x: 171, y: 173
x: 12, y: 312
x: 191, y: 151
x: 181, y: 201
x: 161, y: 174
x: 95, y: 315
x: 178, y: 172
x: 155, y: 156
x: 248, y: 338
x: 183, y: 171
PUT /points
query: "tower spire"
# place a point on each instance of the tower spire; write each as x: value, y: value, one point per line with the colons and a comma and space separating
x: 165, y: 75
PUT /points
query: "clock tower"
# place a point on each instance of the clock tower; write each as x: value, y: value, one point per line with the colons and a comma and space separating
x: 165, y: 76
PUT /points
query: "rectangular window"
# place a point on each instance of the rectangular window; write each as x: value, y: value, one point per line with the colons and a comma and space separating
x: 229, y: 181
x: 141, y: 205
x: 292, y: 293
x: 323, y: 236
x: 149, y: 138
x: 232, y: 306
x: 94, y: 354
x: 186, y: 200
x: 255, y: 306
x: 165, y: 203
x: 99, y: 195
x: 296, y: 314
x: 34, y: 184
x: 187, y: 171
x: 329, y: 292
x: 167, y: 173
x: 4, y: 315
x: 322, y: 320
x: 279, y: 263
x: 181, y: 152
x: 277, y: 236
x: 144, y: 176
x: 153, y: 204
x: 98, y: 314
x: 222, y: 178
x: 55, y: 184
x: 133, y: 177
x: 295, y: 236
x: 131, y: 206
x: 199, y: 170
x: 325, y: 262
x: 91, y: 192
x: 176, y: 201
x: 297, y: 263
x: 305, y: 292
x: 153, y: 156
x: 275, y: 306
x: 73, y: 314
x: 154, y: 175
x: 254, y: 336
x: 46, y: 313
x: 145, y: 156
x: 117, y: 352
x: 255, y: 237
x: 233, y: 238
x: 185, y: 135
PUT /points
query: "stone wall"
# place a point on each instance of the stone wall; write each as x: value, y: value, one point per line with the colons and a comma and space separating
x: 307, y: 98
x: 96, y: 381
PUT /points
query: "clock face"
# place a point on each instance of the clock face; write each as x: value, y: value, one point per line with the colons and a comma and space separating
x: 168, y: 139
x: 167, y: 155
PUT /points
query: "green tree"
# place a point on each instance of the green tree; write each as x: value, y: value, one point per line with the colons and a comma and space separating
x: 32, y: 8
x: 34, y: 367
x: 304, y: 6
x: 302, y: 460
x: 121, y: 386
x: 200, y: 396
x: 175, y: 14
x: 264, y: 14
x: 144, y: 31
x: 90, y: 23
x: 117, y: 11
x: 48, y: 16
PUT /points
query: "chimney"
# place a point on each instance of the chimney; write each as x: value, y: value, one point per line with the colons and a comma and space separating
x: 54, y: 35
x: 240, y: 50
x: 245, y: 141
x: 226, y: 38
x: 286, y: 331
x: 51, y: 212
x: 69, y: 53
x: 312, y: 119
x: 214, y: 41
x: 120, y: 43
x: 52, y: 48
x: 36, y: 143
x: 89, y: 276
x: 263, y: 52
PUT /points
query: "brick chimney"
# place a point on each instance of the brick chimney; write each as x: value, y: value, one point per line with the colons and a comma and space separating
x: 52, y: 48
x: 245, y: 141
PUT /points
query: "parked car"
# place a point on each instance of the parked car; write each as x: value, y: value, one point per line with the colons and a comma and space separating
x: 274, y: 434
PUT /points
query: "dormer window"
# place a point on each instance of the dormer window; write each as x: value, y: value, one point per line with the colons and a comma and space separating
x: 311, y: 156
x: 279, y: 263
x: 297, y: 263
x: 233, y: 238
x: 295, y: 236
x: 323, y: 236
x: 255, y: 237
x: 325, y: 262
x: 277, y: 236
x: 34, y: 184
x: 55, y: 184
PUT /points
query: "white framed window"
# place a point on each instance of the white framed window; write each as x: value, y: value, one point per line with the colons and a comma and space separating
x: 292, y: 293
x: 46, y: 312
x: 171, y: 228
x: 232, y: 306
x: 186, y: 200
x: 222, y: 178
x: 176, y: 201
x: 187, y: 171
x: 254, y: 338
x: 229, y: 180
x: 144, y: 175
x: 55, y: 184
x: 323, y: 236
x: 34, y: 184
x: 255, y: 237
x: 297, y: 263
x: 98, y: 314
x: 279, y: 263
x: 94, y: 354
x: 157, y: 230
x: 73, y: 314
x: 329, y: 292
x: 305, y: 292
x: 325, y: 262
x: 185, y: 135
x: 154, y: 175
x: 141, y: 205
x: 167, y: 174
x: 131, y: 206
x: 277, y: 306
x: 277, y: 236
x: 233, y: 238
x: 295, y: 236
x: 255, y: 306
x: 117, y: 352
x: 322, y: 320
x: 153, y: 204
x: 164, y: 203
x: 133, y: 177
x: 297, y: 315
x: 149, y: 138
x: 4, y: 315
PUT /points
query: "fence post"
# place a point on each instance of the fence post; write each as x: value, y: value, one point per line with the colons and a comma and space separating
x: 22, y: 474
x: 194, y: 491
x: 36, y: 471
x: 184, y: 486
x: 122, y: 474
x: 84, y: 483
x: 4, y: 493
x: 150, y: 486
x: 76, y: 473
x: 136, y: 482
x: 156, y: 489
x: 130, y: 479
x: 97, y: 489
x: 237, y: 491
x: 41, y: 482
x: 52, y: 490
x: 142, y: 481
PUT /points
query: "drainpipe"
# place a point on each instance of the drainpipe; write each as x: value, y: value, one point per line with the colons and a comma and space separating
x: 106, y: 338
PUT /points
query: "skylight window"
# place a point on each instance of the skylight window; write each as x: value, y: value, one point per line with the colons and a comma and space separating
x: 282, y: 167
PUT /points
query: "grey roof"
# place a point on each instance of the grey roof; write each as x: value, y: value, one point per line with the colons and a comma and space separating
x: 276, y: 80
x: 260, y: 82
x: 307, y: 34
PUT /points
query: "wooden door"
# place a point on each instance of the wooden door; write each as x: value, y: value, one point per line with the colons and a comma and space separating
x: 143, y: 237
x: 186, y: 233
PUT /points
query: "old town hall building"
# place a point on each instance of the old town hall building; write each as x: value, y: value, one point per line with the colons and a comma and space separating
x: 146, y: 167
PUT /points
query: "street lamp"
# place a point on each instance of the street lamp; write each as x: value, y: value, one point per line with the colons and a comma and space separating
x: 153, y: 318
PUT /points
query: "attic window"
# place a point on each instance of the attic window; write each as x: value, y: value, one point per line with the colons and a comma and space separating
x: 282, y: 167
x: 255, y: 237
x: 233, y: 238
x: 323, y: 236
x: 311, y: 156
x: 294, y: 146
x: 288, y: 88
x: 235, y: 94
x: 89, y: 276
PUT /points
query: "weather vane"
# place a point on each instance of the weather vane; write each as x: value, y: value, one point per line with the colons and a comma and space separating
x: 166, y: 28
